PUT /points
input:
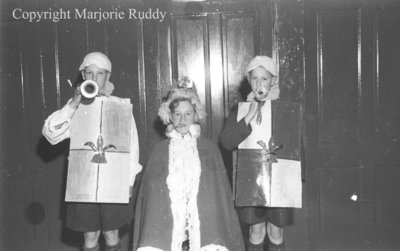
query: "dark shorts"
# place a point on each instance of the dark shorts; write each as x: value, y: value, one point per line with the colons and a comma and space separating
x: 91, y: 217
x: 280, y: 217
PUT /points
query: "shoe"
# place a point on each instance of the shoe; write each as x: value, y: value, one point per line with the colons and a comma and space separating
x: 254, y: 247
x: 116, y: 247
x: 96, y: 248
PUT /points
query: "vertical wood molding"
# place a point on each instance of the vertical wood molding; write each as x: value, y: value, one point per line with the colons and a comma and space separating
x: 275, y: 32
x: 142, y: 130
x: 57, y: 67
x: 216, y: 79
x: 376, y: 69
x: 359, y: 74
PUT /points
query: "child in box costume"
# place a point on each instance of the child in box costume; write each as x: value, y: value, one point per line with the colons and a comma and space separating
x: 267, y: 179
x: 103, y: 159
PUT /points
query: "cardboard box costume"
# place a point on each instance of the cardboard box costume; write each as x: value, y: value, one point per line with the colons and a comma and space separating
x: 99, y: 158
x: 257, y: 182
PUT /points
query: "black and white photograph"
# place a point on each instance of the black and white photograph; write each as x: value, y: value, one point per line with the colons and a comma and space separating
x: 200, y: 125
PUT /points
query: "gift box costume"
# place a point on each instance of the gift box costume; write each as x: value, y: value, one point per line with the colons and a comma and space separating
x: 238, y: 134
x: 59, y: 126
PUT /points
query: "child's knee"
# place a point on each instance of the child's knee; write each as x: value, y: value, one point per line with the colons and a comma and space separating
x: 91, y: 239
x: 111, y: 237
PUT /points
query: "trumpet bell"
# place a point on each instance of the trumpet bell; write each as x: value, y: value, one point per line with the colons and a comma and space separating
x: 89, y: 89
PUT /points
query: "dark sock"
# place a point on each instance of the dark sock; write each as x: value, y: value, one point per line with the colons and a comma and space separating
x: 96, y: 248
x: 255, y: 247
x: 276, y: 247
x: 116, y: 247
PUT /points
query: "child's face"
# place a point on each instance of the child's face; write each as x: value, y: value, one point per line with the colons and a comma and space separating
x: 183, y: 117
x: 261, y: 80
x: 98, y: 75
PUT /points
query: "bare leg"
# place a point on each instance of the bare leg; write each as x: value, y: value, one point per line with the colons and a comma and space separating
x: 91, y: 239
x: 112, y: 239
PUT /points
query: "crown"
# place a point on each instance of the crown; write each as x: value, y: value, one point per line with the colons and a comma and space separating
x: 184, y: 88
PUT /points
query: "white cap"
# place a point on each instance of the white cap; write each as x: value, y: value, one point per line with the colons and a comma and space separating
x: 98, y: 59
x: 264, y: 61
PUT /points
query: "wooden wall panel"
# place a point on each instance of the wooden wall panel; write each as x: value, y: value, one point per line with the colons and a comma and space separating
x: 16, y: 228
x: 289, y: 48
x: 240, y: 46
x: 388, y: 61
x: 16, y: 146
x: 216, y: 75
x: 49, y: 69
x: 336, y: 187
x: 367, y: 52
x: 387, y: 196
x: 69, y: 35
x: 153, y: 128
x: 122, y: 43
x: 387, y: 116
x: 339, y: 76
x: 33, y: 70
x: 350, y: 141
x: 12, y: 91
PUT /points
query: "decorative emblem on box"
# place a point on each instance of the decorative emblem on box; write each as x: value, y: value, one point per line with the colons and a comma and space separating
x: 100, y: 151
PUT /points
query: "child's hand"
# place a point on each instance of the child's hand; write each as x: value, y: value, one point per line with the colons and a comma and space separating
x: 76, y: 99
x: 252, y: 112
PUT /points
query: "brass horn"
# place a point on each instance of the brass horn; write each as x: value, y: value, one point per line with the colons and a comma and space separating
x: 89, y: 89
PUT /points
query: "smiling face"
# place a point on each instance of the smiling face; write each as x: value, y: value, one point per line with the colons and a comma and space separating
x: 260, y: 81
x: 98, y: 75
x: 182, y: 115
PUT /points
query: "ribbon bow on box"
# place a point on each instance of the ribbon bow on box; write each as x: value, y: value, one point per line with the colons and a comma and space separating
x: 269, y: 153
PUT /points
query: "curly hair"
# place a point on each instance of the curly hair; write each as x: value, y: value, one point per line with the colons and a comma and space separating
x: 175, y: 96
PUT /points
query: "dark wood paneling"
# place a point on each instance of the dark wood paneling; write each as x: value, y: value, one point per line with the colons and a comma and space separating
x: 49, y: 69
x: 339, y: 75
x: 216, y: 75
x: 153, y: 94
x: 387, y: 87
x: 69, y: 35
x: 366, y: 104
x: 35, y: 101
x: 13, y: 85
x: 122, y: 44
x: 387, y: 197
x: 336, y: 187
x: 15, y: 154
x: 347, y: 150
x: 387, y: 117
x: 240, y: 46
x: 289, y: 48
x: 16, y: 228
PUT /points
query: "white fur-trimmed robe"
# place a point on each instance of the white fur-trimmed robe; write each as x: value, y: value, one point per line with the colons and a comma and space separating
x: 166, y: 204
